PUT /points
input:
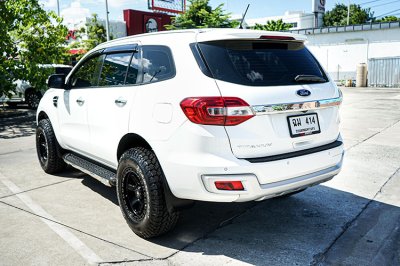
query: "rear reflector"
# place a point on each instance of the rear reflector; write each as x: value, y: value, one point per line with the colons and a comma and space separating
x: 229, y: 185
x: 220, y: 111
x: 272, y: 37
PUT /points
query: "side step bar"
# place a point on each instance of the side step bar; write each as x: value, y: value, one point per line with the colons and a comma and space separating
x: 99, y: 172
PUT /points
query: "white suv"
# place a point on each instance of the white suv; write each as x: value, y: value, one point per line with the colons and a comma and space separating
x: 223, y: 115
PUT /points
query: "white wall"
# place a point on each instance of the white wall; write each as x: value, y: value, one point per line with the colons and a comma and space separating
x: 303, y: 20
x: 340, y: 52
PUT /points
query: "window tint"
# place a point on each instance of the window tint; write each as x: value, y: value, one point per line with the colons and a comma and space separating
x: 133, y: 70
x: 260, y: 63
x: 88, y: 74
x: 114, y: 69
x: 157, y: 63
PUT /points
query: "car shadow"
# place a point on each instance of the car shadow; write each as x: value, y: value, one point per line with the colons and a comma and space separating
x: 17, y: 122
x: 295, y: 230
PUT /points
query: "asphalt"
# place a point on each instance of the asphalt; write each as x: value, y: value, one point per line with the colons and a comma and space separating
x: 72, y: 219
x: 16, y: 122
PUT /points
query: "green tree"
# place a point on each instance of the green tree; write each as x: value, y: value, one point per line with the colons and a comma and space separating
x: 338, y: 15
x: 95, y: 31
x: 273, y: 25
x: 29, y: 36
x: 388, y: 19
x: 88, y: 37
x: 201, y: 15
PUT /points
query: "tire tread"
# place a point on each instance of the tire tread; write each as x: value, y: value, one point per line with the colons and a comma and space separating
x: 55, y: 163
x: 161, y: 220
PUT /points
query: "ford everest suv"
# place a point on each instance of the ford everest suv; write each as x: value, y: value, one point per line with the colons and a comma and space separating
x: 222, y: 115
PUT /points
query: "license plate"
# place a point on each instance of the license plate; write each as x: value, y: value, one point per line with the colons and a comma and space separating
x: 302, y: 125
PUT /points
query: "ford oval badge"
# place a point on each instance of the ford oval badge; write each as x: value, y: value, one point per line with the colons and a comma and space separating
x: 303, y: 92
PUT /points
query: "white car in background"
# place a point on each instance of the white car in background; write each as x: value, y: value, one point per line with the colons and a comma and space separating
x: 26, y: 93
x: 222, y: 115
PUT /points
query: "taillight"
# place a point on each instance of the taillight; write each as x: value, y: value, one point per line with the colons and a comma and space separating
x: 229, y: 185
x: 221, y: 111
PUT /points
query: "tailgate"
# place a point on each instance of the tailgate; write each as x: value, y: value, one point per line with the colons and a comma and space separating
x: 289, y: 92
x: 269, y: 132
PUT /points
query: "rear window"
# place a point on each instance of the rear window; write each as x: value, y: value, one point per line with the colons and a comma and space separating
x: 260, y: 63
x: 157, y: 63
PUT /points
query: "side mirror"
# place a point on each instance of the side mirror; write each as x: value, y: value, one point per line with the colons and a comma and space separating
x: 56, y: 81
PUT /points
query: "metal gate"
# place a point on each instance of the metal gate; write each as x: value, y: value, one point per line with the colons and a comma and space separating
x: 384, y: 72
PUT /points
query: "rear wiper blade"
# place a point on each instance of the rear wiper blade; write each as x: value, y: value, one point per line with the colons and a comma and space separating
x: 311, y: 78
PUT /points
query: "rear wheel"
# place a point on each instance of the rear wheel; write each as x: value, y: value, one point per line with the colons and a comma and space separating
x: 32, y: 98
x: 47, y: 148
x: 141, y: 194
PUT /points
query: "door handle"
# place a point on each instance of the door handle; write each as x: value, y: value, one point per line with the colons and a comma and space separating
x: 120, y: 102
x: 80, y: 101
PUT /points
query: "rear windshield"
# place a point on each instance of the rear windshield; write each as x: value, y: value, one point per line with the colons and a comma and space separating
x: 261, y: 63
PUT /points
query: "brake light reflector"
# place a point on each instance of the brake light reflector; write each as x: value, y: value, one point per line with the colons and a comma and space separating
x: 272, y: 37
x: 229, y: 185
x: 221, y: 111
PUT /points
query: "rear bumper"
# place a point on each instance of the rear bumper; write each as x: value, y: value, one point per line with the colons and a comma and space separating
x: 193, y: 175
x: 255, y: 191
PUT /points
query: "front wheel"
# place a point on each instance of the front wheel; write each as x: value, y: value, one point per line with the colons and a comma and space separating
x: 48, y: 149
x: 140, y: 194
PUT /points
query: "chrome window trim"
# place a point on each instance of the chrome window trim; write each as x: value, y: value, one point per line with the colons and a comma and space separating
x: 297, y: 106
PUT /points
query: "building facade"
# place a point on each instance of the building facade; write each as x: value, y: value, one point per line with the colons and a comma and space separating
x: 298, y: 20
x: 341, y: 49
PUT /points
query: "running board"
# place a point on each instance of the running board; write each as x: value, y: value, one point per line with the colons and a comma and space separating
x: 99, y: 172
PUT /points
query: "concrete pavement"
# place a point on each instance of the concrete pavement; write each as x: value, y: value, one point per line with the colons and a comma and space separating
x: 72, y: 219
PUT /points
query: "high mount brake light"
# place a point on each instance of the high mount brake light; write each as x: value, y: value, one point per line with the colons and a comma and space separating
x: 282, y: 38
x: 220, y: 111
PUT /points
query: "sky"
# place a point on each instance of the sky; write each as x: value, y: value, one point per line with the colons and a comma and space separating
x: 75, y: 10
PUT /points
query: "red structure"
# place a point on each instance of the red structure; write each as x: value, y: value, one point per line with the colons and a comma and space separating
x: 138, y: 22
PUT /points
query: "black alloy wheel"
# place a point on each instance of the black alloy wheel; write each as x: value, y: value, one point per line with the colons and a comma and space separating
x: 134, y: 195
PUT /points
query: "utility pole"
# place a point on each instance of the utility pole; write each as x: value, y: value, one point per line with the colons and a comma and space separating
x: 107, y: 23
x: 58, y: 7
x: 348, y: 14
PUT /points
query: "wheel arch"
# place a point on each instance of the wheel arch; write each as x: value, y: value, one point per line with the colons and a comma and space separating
x: 29, y: 90
x: 42, y: 115
x: 132, y: 140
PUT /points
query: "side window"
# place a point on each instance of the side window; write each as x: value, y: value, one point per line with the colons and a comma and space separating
x: 157, y: 63
x: 88, y: 74
x: 114, y: 69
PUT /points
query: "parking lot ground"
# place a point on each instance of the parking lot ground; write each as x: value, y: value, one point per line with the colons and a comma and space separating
x: 354, y: 219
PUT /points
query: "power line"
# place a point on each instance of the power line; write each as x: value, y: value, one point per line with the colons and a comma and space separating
x: 365, y: 3
x: 385, y: 4
x: 388, y: 13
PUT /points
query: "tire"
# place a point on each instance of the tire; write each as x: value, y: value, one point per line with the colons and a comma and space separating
x: 47, y: 148
x: 140, y: 194
x: 32, y: 98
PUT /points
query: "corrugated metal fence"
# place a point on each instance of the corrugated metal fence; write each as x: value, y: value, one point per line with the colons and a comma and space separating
x: 384, y: 72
